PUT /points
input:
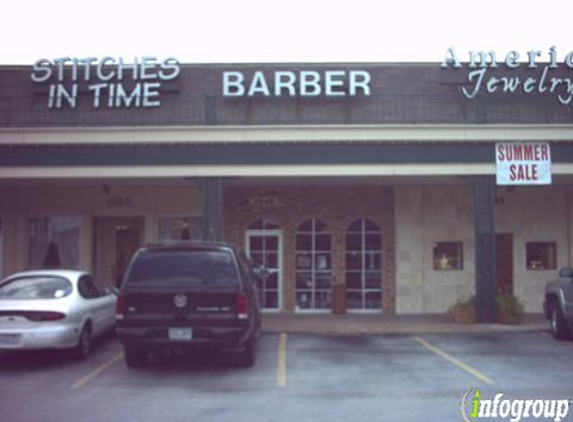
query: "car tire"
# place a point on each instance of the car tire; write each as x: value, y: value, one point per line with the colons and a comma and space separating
x: 559, y: 327
x: 135, y: 357
x: 246, y: 358
x: 83, y: 349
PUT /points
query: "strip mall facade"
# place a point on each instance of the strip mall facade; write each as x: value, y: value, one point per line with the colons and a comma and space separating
x: 374, y: 180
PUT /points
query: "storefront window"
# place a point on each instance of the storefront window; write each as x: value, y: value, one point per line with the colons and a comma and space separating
x: 263, y: 224
x: 541, y: 255
x: 313, y: 266
x: 54, y: 242
x: 448, y: 256
x: 178, y: 228
x: 363, y: 266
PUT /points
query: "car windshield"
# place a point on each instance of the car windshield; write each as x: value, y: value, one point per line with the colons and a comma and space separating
x: 39, y: 287
x: 212, y: 267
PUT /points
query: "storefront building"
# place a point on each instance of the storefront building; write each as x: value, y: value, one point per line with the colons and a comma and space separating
x: 374, y: 180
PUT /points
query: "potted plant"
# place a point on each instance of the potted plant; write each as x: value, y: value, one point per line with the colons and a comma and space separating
x: 464, y: 311
x: 509, y: 309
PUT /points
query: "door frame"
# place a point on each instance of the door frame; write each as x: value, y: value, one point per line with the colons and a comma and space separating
x: 499, y: 239
x: 112, y: 219
x: 280, y: 270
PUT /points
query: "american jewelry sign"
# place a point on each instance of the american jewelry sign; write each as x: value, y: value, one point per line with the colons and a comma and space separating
x: 546, y: 75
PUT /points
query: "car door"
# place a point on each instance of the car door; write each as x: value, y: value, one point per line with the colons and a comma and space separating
x: 109, y: 299
x: 98, y: 304
x: 247, y: 277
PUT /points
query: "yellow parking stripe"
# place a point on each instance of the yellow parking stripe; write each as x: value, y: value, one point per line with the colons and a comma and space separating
x: 456, y: 362
x: 281, y: 361
x: 83, y: 381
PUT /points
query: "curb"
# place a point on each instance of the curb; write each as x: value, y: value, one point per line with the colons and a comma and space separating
x: 405, y: 330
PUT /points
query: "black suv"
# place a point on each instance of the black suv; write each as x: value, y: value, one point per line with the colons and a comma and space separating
x: 189, y: 295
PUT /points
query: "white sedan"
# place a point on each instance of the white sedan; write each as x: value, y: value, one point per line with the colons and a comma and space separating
x: 58, y: 309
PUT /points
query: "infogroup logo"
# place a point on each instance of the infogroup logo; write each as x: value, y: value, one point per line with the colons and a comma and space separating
x: 474, y: 407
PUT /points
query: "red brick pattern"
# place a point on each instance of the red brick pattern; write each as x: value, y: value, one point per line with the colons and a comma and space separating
x: 337, y: 206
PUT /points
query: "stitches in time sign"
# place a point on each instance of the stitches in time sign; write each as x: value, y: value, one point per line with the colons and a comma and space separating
x: 108, y: 82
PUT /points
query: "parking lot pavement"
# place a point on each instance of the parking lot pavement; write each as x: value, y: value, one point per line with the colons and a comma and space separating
x: 297, y: 378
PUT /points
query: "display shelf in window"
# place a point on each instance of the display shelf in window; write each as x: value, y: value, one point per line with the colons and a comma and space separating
x: 448, y: 256
x: 541, y: 256
x: 313, y: 261
x: 363, y: 266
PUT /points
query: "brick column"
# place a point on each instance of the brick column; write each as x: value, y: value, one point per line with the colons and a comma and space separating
x: 213, y: 208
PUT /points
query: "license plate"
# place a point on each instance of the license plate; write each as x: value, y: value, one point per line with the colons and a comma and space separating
x: 10, y: 339
x: 180, y: 334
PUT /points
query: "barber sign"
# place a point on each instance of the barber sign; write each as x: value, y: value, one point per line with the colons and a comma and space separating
x: 523, y: 163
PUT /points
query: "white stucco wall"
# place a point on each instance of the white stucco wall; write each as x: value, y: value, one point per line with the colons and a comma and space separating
x: 427, y: 214
x: 534, y: 214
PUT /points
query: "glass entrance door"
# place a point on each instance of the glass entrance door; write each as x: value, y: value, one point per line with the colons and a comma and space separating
x: 264, y: 248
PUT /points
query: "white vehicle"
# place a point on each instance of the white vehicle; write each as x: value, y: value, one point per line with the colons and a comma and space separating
x: 57, y: 309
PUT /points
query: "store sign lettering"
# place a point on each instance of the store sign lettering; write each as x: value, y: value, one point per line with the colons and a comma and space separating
x: 482, y: 64
x: 523, y: 163
x: 264, y: 201
x: 304, y: 83
x: 108, y: 82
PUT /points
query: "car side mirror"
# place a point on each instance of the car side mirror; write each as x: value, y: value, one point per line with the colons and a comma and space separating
x: 566, y: 272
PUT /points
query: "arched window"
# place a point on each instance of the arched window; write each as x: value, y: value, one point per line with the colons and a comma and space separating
x: 313, y: 266
x: 263, y: 224
x: 363, y: 266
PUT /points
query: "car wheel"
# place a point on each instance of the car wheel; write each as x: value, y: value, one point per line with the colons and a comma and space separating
x: 246, y: 358
x: 134, y: 357
x: 559, y: 326
x: 84, y: 346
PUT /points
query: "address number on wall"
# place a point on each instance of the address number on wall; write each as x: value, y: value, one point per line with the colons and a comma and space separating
x: 119, y: 202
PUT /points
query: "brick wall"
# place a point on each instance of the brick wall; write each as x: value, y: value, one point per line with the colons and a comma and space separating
x: 337, y: 206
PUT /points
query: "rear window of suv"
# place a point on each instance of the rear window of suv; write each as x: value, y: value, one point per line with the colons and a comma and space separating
x: 205, y: 267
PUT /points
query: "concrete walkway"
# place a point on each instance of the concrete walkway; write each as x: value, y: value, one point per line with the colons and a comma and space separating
x: 389, y: 324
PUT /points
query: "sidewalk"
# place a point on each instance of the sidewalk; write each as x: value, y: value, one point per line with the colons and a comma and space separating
x: 389, y: 324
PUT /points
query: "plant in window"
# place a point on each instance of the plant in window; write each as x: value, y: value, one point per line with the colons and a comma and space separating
x: 52, y: 258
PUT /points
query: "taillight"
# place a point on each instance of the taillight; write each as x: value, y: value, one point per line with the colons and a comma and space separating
x: 120, y: 308
x: 242, y: 306
x: 39, y: 316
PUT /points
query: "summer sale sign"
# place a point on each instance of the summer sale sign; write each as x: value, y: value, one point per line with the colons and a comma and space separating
x: 523, y: 163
